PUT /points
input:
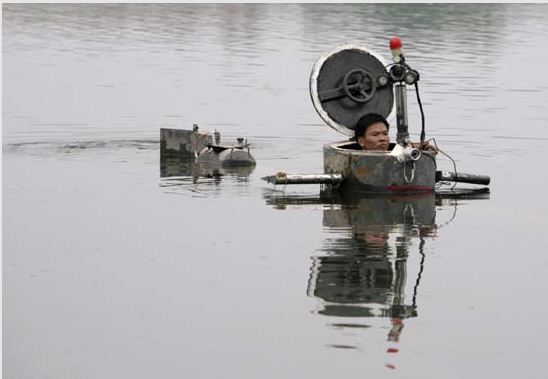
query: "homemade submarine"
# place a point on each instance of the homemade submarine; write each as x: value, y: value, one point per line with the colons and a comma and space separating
x: 350, y: 82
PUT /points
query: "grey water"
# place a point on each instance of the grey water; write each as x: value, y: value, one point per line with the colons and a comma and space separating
x: 115, y: 266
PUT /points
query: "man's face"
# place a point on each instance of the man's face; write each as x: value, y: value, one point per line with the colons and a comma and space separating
x: 376, y: 137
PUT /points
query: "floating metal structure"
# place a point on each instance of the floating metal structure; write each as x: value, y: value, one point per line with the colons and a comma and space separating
x: 204, y: 147
x: 348, y: 83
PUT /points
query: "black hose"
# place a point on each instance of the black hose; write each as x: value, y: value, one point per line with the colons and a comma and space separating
x: 423, y: 134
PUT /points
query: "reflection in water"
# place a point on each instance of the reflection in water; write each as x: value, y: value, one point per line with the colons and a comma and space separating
x: 176, y: 166
x: 373, y: 266
x: 183, y: 174
x: 367, y: 272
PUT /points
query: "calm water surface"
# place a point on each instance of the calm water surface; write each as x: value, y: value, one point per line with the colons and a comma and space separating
x: 111, y: 269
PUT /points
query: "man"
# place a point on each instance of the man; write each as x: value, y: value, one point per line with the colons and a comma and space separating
x: 371, y: 133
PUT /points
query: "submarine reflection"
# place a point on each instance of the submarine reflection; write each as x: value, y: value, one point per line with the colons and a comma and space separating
x: 173, y: 167
x: 371, y: 265
x: 365, y: 273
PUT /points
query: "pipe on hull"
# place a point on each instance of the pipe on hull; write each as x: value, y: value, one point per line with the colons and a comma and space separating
x: 379, y: 171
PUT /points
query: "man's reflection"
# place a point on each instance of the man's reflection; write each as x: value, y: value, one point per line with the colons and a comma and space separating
x: 371, y: 264
x: 364, y: 272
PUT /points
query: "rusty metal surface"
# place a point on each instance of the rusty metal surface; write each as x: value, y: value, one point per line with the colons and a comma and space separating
x: 379, y: 171
x: 183, y: 143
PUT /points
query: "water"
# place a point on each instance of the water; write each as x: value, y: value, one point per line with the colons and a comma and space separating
x: 110, y: 270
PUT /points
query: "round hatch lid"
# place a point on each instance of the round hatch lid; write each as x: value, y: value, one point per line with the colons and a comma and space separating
x: 348, y: 83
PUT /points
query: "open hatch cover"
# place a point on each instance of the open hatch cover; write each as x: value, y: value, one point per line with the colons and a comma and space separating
x: 349, y: 82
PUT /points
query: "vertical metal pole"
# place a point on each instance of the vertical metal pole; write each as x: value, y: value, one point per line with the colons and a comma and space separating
x: 400, y: 277
x: 400, y: 90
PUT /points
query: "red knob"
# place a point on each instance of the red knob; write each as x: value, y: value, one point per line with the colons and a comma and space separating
x: 395, y: 43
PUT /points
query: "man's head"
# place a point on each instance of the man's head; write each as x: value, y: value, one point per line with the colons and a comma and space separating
x: 372, y: 132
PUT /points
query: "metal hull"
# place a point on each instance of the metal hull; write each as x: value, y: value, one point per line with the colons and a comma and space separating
x: 227, y: 157
x: 379, y: 171
x: 191, y: 144
x: 183, y: 143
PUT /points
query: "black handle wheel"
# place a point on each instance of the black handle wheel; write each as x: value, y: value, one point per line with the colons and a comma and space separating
x: 359, y: 85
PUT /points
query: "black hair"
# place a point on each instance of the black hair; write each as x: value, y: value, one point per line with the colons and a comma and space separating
x: 366, y: 121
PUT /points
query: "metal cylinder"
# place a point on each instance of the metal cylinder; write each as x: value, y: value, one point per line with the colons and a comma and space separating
x: 400, y: 91
x: 282, y: 178
x: 462, y: 177
x: 217, y: 137
x: 411, y: 154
